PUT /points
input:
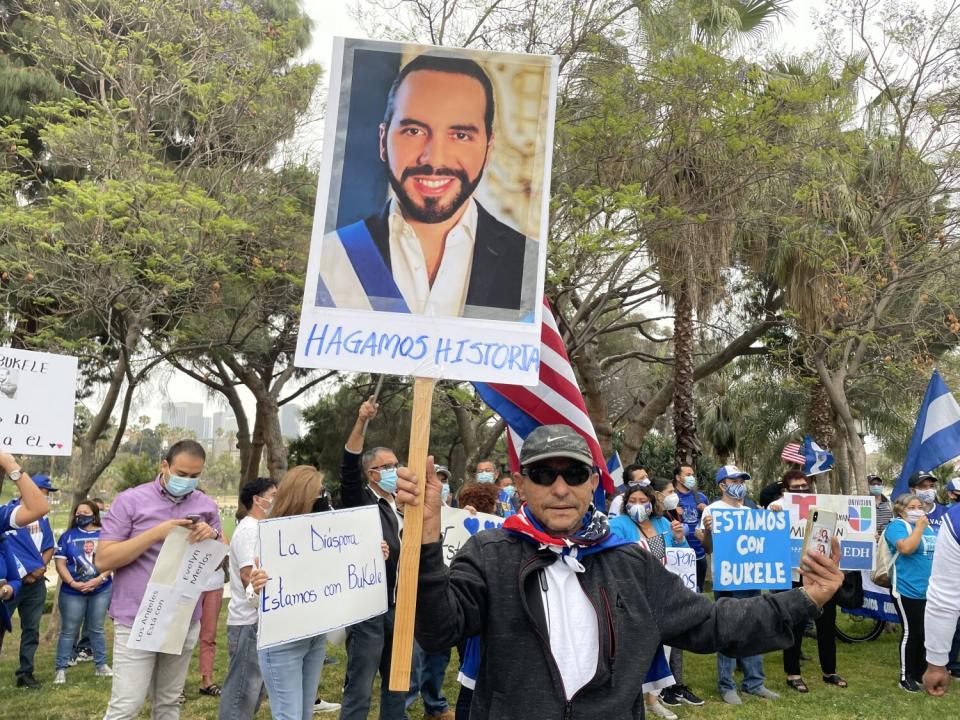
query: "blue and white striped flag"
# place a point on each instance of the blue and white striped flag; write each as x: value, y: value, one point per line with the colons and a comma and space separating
x: 936, y: 438
x: 816, y: 459
x: 615, y: 468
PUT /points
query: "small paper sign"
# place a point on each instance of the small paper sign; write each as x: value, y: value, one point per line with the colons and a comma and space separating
x: 37, y: 395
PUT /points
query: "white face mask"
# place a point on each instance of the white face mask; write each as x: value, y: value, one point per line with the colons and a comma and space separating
x: 928, y: 496
x: 913, y: 516
x: 671, y: 501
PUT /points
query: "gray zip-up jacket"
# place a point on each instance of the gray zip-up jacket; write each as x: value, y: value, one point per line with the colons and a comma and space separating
x: 492, y: 589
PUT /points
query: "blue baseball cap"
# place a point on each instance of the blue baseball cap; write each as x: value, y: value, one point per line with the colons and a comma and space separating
x: 43, y: 482
x: 731, y: 471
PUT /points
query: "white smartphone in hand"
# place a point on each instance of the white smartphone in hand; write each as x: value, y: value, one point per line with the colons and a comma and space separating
x: 820, y: 531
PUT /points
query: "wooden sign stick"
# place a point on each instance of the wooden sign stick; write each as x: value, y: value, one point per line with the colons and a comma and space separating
x: 408, y: 570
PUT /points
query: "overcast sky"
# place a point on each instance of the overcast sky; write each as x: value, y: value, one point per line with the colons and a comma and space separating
x: 331, y: 19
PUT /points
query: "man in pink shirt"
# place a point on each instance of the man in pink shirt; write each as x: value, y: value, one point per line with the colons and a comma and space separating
x: 133, y: 533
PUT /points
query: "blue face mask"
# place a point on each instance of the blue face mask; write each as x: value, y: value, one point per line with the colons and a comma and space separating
x: 444, y: 493
x: 876, y: 489
x: 485, y: 477
x: 738, y: 491
x: 388, y: 480
x: 639, y: 512
x: 509, y: 491
x: 180, y: 486
x: 84, y: 520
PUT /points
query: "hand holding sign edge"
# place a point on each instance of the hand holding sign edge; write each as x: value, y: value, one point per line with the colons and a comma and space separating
x: 408, y: 494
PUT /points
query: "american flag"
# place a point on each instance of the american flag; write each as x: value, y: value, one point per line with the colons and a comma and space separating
x: 793, y: 453
x: 555, y: 401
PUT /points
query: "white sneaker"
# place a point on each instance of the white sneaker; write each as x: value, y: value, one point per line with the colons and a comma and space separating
x: 103, y: 671
x: 322, y: 706
x: 660, y: 711
x: 60, y: 677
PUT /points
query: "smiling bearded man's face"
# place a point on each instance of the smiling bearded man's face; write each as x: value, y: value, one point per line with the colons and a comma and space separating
x: 436, y: 145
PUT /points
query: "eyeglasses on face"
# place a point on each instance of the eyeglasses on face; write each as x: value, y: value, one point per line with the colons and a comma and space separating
x: 386, y: 466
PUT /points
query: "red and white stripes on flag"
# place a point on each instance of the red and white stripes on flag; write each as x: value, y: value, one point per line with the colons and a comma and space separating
x: 557, y: 400
x: 793, y: 453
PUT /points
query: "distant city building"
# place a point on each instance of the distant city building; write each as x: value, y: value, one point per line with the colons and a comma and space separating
x: 185, y: 415
x: 225, y: 421
x: 290, y: 421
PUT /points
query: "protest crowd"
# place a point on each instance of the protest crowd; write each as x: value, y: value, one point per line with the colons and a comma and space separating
x: 560, y: 577
x: 156, y: 213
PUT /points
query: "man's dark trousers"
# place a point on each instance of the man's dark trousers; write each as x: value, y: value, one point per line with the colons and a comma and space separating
x: 29, y: 603
x: 369, y: 645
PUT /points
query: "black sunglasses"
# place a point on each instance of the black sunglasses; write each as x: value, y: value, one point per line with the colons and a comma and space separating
x: 546, y: 476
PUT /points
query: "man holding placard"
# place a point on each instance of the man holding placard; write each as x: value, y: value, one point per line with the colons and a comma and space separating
x: 133, y: 533
x: 369, y: 643
x: 553, y: 596
x: 732, y: 482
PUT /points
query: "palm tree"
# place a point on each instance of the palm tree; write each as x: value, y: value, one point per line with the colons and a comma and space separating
x: 691, y: 260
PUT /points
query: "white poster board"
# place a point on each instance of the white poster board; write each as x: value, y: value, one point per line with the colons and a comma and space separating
x: 456, y: 527
x: 682, y: 562
x: 856, y: 526
x: 182, y: 571
x: 326, y: 572
x: 37, y: 396
x: 461, y: 147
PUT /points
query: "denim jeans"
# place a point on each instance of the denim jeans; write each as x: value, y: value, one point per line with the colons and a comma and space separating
x: 75, y: 610
x: 29, y: 603
x: 426, y: 678
x: 369, y: 645
x: 243, y: 686
x: 753, y: 677
x: 292, y: 674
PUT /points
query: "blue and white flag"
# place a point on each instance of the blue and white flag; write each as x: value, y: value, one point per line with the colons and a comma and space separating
x: 615, y: 468
x: 816, y: 459
x: 936, y: 438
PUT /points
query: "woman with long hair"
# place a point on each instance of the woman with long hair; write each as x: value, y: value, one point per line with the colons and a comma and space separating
x: 644, y: 521
x: 85, y: 591
x: 292, y: 671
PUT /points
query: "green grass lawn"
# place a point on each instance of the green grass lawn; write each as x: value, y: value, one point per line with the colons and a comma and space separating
x: 870, y: 668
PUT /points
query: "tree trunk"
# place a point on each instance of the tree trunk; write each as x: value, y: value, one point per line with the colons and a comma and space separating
x: 835, y: 387
x: 684, y: 411
x: 820, y: 418
x: 641, y: 422
x: 273, y: 437
x: 588, y: 367
x: 841, y: 476
x: 252, y: 468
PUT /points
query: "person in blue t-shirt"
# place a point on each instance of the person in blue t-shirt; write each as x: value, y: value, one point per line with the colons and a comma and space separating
x: 924, y: 486
x: 692, y: 503
x: 912, y: 541
x: 32, y: 503
x: 9, y: 585
x: 32, y: 546
x: 85, y: 592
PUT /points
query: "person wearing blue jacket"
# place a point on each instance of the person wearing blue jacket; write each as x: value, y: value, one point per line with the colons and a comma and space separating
x: 33, y: 547
x: 643, y: 521
x: 9, y: 585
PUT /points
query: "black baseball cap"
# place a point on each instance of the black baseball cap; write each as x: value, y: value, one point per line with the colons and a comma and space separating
x: 555, y: 441
x: 918, y: 477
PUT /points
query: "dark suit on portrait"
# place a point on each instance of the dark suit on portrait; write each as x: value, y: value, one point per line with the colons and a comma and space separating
x: 496, y: 275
